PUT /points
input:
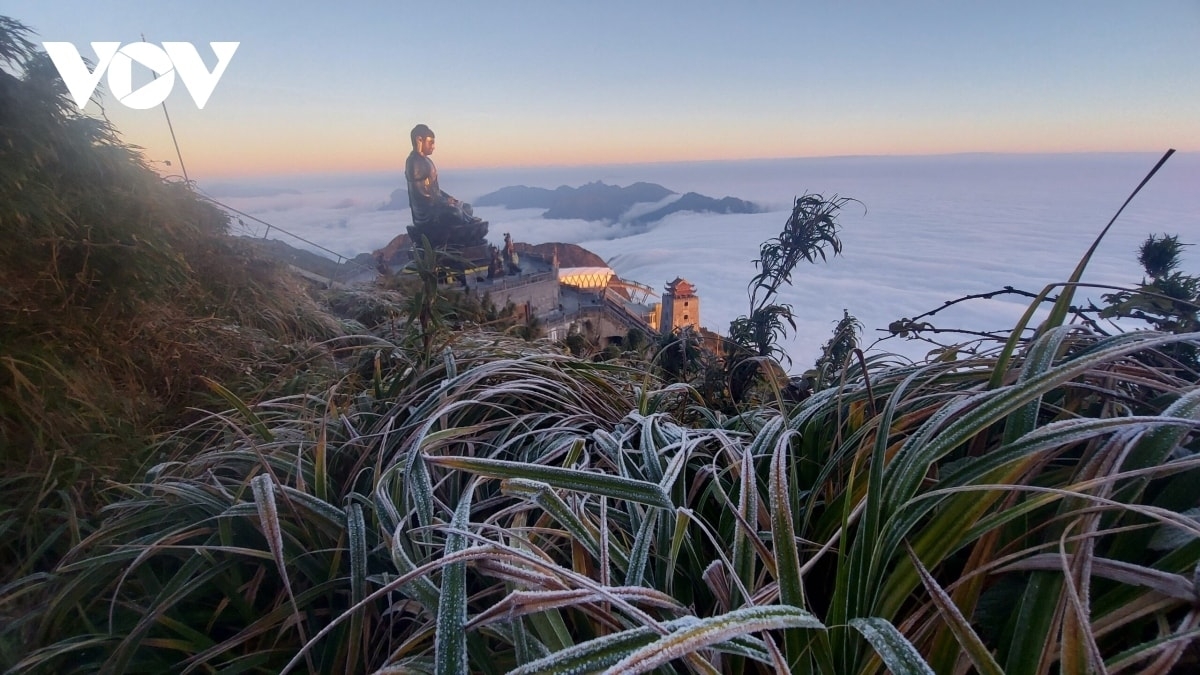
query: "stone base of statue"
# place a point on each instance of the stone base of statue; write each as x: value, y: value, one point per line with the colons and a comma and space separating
x: 462, y: 246
x: 450, y: 235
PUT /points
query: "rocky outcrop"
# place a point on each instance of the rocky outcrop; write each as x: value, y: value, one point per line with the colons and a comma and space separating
x: 397, y: 252
x: 569, y: 255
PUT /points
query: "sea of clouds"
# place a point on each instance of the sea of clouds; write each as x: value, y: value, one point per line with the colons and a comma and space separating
x: 924, y: 230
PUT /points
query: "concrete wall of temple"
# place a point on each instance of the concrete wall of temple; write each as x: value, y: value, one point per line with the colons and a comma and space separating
x: 539, y: 297
x: 600, y: 326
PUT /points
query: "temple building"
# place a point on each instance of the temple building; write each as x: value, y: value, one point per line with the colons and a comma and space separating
x: 577, y: 293
x: 680, y: 306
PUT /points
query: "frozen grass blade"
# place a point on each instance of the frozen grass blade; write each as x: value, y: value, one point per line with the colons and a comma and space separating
x: 783, y: 539
x: 589, y: 482
x: 596, y: 654
x: 1039, y: 358
x: 1156, y: 446
x: 920, y: 450
x: 745, y: 530
x: 450, y: 642
x: 1132, y: 657
x: 600, y: 653
x: 356, y: 529
x: 422, y: 589
x: 897, y: 652
x: 713, y: 630
x: 387, y: 489
x: 521, y: 603
x: 639, y: 553
x: 263, y: 488
x: 1168, y: 584
x: 419, y: 487
x: 544, y: 496
x: 651, y: 461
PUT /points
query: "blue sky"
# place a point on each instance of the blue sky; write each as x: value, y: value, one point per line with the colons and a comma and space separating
x: 318, y: 87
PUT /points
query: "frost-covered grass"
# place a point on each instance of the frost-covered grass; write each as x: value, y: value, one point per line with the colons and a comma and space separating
x: 508, y: 509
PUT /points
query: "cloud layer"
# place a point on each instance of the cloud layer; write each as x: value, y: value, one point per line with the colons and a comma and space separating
x: 926, y: 230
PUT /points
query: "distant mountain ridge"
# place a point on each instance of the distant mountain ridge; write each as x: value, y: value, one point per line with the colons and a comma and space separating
x: 698, y: 203
x: 592, y: 201
x: 397, y: 201
x: 522, y: 197
x: 596, y: 201
x: 600, y: 201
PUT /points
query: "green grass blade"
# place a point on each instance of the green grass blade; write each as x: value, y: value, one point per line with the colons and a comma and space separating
x: 255, y: 421
x: 321, y: 464
x: 1059, y: 314
x: 1063, y: 305
x: 967, y: 638
x: 1033, y: 623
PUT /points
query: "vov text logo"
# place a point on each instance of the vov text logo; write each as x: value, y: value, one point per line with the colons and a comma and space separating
x: 117, y: 61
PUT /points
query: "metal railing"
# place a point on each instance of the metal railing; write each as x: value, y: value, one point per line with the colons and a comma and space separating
x: 613, y: 309
x: 339, y: 258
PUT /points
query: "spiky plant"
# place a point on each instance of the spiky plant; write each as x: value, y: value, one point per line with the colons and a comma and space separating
x: 836, y: 352
x: 811, y: 230
x: 1169, y: 300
